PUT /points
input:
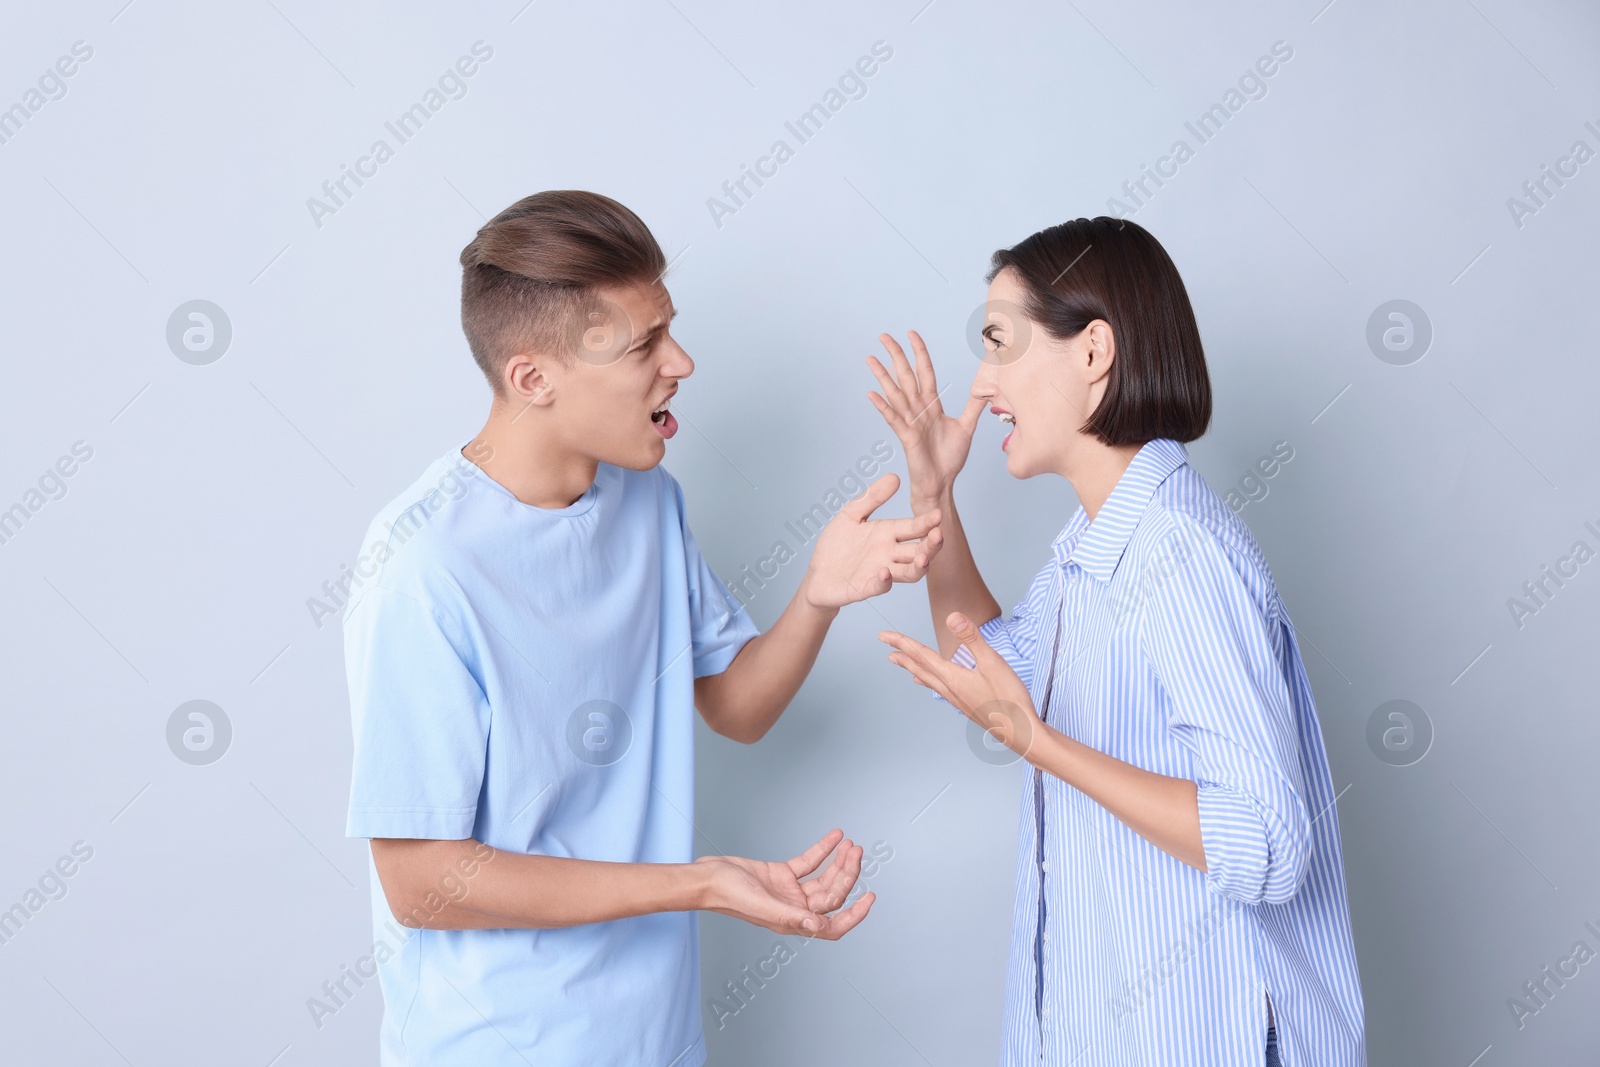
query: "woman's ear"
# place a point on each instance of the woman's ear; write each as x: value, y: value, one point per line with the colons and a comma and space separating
x: 1101, y: 349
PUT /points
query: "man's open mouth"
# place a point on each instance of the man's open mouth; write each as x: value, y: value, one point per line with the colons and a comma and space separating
x: 665, y: 424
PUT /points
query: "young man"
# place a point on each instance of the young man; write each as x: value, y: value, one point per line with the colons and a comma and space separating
x: 523, y: 669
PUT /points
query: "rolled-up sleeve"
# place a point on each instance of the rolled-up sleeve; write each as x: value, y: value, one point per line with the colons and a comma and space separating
x: 1210, y: 642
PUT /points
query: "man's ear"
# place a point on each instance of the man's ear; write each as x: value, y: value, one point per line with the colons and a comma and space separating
x: 525, y: 379
x: 1100, y: 351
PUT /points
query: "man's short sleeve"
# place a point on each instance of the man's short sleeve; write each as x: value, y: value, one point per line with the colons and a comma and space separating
x: 719, y: 625
x: 421, y: 722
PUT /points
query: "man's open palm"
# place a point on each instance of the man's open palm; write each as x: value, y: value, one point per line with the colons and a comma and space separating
x: 773, y: 896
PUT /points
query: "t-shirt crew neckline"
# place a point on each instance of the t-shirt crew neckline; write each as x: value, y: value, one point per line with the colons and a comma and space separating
x: 572, y: 510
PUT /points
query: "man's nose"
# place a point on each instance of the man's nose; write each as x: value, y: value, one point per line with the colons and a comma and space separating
x: 678, y: 365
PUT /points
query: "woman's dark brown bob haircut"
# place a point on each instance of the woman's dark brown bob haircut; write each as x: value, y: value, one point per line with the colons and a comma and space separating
x: 1113, y: 269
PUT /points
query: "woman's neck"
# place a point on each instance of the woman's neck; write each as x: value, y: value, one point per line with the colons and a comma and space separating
x: 1094, y: 469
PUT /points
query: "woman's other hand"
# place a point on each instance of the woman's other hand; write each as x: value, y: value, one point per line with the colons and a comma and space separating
x: 990, y: 694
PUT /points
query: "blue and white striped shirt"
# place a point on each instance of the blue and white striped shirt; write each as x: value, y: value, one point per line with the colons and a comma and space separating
x: 1173, y: 652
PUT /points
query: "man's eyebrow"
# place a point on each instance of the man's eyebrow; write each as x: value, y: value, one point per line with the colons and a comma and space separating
x: 660, y: 323
x: 655, y: 328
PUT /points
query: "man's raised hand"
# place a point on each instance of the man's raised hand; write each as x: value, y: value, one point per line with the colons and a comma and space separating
x: 857, y: 556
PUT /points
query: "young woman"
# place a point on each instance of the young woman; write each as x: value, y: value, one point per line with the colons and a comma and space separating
x: 1180, y: 896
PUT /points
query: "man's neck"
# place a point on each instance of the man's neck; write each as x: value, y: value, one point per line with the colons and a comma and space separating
x: 533, y: 467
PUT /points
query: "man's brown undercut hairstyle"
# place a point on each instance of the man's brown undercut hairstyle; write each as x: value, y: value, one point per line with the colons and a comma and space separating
x: 529, y: 277
x: 1113, y: 269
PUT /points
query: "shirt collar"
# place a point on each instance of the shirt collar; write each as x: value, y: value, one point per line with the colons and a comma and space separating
x: 1097, y: 546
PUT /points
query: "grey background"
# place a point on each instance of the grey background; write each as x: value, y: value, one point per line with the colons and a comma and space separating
x: 220, y: 497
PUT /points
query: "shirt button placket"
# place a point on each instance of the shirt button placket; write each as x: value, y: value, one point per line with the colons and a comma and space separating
x: 1041, y: 930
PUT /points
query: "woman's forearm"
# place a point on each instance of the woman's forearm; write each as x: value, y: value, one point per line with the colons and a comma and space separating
x: 954, y: 583
x: 1163, y: 810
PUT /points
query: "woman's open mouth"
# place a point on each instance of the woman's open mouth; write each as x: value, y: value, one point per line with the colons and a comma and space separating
x: 665, y: 424
x: 1010, y: 420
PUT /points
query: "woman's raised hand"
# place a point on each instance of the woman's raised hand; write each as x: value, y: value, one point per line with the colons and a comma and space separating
x: 935, y: 444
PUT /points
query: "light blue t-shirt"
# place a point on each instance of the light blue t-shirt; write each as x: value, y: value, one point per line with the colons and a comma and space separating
x: 525, y: 676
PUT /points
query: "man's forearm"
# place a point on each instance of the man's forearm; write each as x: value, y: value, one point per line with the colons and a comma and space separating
x: 466, y: 885
x: 746, y: 699
x: 954, y: 583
